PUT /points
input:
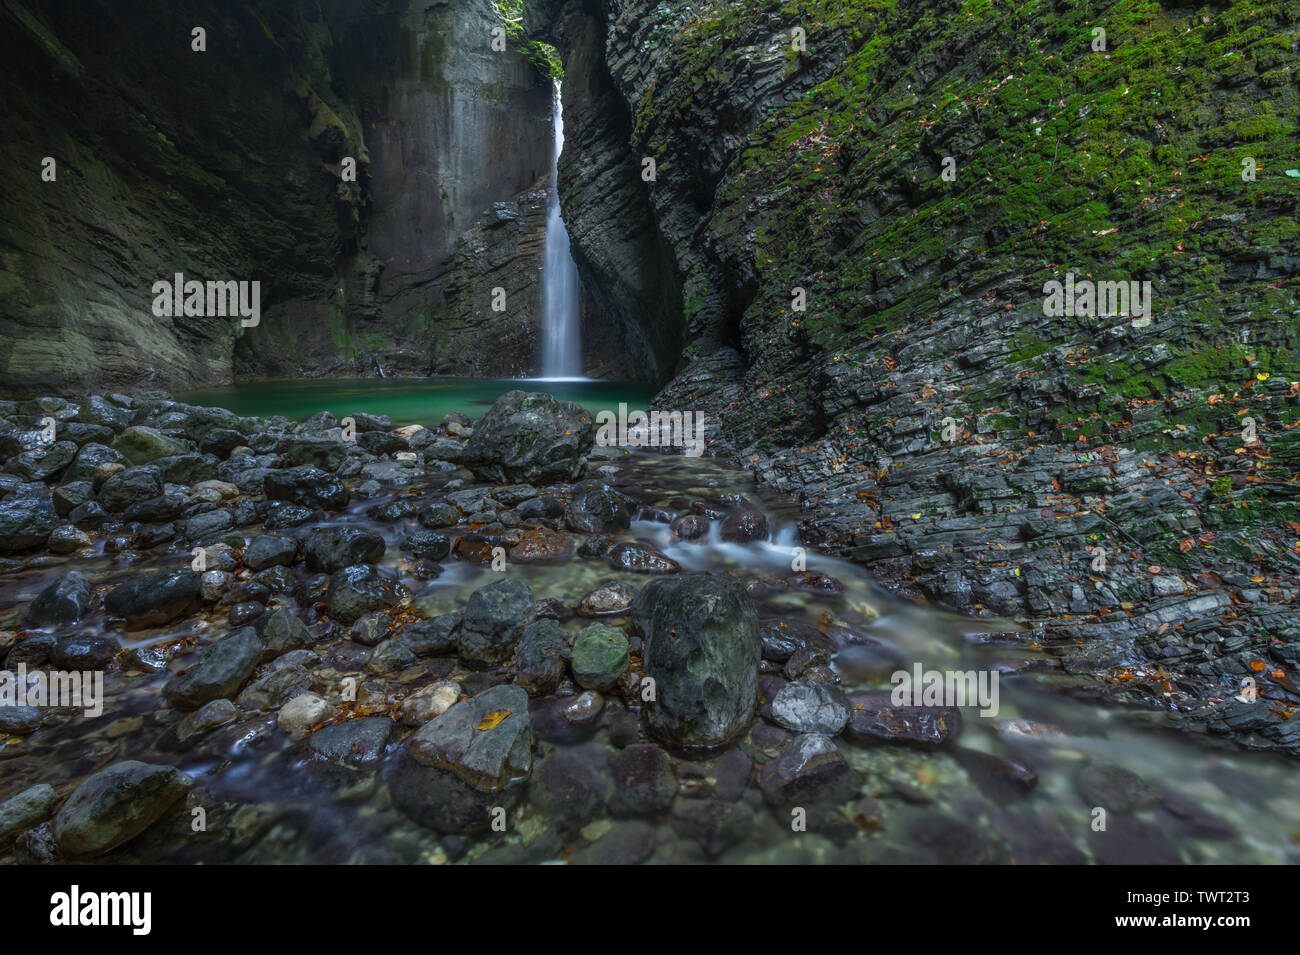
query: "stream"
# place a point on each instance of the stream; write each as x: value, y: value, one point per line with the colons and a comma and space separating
x: 1012, y: 787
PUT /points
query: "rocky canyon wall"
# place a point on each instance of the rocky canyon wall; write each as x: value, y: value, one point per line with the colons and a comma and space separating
x: 225, y: 164
x: 864, y: 204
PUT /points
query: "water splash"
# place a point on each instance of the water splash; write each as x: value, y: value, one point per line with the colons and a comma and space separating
x: 561, y: 334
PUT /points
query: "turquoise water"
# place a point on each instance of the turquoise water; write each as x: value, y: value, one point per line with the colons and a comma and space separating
x: 410, y: 400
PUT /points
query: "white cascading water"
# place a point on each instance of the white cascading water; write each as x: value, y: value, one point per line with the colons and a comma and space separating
x: 561, y: 335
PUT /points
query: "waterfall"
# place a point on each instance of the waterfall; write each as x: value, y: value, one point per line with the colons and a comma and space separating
x: 561, y: 335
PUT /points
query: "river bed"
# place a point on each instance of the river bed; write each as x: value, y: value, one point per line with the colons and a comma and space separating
x: 1020, y: 785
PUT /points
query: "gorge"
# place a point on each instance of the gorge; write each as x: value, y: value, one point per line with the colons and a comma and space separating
x: 850, y: 235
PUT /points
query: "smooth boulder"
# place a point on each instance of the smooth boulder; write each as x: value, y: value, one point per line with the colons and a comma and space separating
x: 530, y: 437
x: 307, y: 486
x: 115, y: 805
x: 66, y: 600
x: 702, y: 650
x: 220, y: 672
x: 457, y: 768
x: 333, y: 548
x: 152, y: 600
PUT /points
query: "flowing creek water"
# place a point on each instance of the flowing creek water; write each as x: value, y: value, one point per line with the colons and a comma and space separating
x: 265, y: 799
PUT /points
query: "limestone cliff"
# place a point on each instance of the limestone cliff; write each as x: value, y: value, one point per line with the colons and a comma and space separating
x: 225, y: 164
x: 913, y: 173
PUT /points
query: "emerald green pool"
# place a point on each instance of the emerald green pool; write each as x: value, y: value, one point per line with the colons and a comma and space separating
x: 409, y: 400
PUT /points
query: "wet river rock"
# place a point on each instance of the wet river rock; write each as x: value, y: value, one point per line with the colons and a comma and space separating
x: 873, y: 716
x: 358, y: 589
x: 428, y: 638
x: 141, y: 445
x: 690, y: 527
x: 539, y: 657
x: 333, y: 548
x: 270, y: 550
x: 307, y: 486
x: 220, y: 671
x: 29, y: 808
x: 64, y: 601
x: 539, y: 545
x: 476, y: 756
x: 595, y: 507
x: 26, y: 523
x: 573, y: 785
x: 808, y: 770
x: 600, y: 657
x: 568, y: 719
x: 809, y: 708
x: 609, y: 598
x: 530, y: 437
x: 702, y: 650
x: 153, y: 599
x: 639, y: 558
x: 115, y: 805
x: 356, y: 743
x: 744, y: 526
x: 494, y: 619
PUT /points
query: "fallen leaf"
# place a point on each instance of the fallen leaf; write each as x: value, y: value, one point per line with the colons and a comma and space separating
x: 492, y: 719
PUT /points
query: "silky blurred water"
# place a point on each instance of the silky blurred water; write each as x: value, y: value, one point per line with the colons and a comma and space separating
x: 409, y: 400
x: 1050, y: 721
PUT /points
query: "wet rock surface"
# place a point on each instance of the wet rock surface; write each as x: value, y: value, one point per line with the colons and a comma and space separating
x: 516, y: 687
x: 115, y: 805
x: 530, y: 437
x: 466, y: 761
x: 702, y: 651
x: 1093, y: 478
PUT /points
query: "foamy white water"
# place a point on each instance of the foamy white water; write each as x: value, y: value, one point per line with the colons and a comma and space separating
x: 561, y: 334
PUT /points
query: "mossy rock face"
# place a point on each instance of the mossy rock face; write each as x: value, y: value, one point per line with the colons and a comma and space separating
x: 600, y: 657
x: 1114, y: 164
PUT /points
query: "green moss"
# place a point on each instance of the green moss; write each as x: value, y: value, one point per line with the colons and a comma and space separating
x: 1123, y: 165
x: 340, y: 334
x: 1028, y: 348
x: 544, y: 57
x: 1210, y: 365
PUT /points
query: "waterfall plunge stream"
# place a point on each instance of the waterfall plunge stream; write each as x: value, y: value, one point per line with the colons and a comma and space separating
x: 561, y: 335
